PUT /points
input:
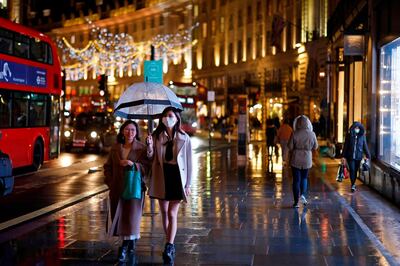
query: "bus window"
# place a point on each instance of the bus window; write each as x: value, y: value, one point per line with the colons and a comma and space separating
x: 38, y: 50
x: 5, y: 109
x: 6, y: 41
x: 21, y: 46
x: 37, y: 110
x: 20, y: 110
x: 49, y: 55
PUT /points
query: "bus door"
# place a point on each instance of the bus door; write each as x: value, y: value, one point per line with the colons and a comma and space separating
x: 54, y: 126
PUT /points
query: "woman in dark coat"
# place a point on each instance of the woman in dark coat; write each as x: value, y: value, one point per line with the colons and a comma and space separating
x: 354, y: 146
x: 125, y: 214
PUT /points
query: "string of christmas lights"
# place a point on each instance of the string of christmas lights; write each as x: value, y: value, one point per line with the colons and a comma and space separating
x: 108, y: 53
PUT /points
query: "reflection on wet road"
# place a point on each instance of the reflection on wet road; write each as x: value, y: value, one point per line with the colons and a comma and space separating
x: 239, y: 214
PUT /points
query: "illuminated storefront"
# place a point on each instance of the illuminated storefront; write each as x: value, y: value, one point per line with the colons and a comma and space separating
x: 389, y: 104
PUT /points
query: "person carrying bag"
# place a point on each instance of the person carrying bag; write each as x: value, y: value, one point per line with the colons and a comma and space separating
x: 124, y: 172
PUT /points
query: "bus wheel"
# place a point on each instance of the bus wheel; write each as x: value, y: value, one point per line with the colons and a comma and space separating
x: 37, y: 155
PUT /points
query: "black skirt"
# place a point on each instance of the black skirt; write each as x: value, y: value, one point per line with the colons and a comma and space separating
x: 173, y: 182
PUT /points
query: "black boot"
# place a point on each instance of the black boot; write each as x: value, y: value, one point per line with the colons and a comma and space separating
x: 132, y: 246
x: 123, y: 251
x: 169, y: 253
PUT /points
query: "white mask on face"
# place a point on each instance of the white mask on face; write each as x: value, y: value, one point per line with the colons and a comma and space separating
x: 169, y: 121
x: 356, y: 130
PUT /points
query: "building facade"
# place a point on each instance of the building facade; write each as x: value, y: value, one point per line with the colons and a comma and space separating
x: 274, y: 51
x: 144, y: 21
x: 363, y: 84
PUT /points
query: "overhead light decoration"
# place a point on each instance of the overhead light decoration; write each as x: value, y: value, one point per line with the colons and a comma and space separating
x: 106, y: 52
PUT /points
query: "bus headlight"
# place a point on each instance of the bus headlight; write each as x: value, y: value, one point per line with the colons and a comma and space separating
x: 93, y: 134
x: 194, y: 124
x: 67, y: 134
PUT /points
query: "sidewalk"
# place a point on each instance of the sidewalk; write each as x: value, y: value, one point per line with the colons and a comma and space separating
x: 239, y: 214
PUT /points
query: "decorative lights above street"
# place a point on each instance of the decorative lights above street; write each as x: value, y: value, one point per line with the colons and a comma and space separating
x: 118, y: 54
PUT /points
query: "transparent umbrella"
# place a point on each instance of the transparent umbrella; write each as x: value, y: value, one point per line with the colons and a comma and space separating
x: 145, y: 100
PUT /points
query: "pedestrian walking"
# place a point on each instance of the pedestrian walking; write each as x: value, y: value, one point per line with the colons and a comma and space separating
x: 270, y: 134
x: 126, y: 214
x: 354, y: 147
x: 301, y: 144
x: 284, y: 133
x: 171, y: 151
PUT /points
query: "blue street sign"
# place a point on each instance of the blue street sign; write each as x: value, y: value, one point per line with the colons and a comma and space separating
x: 11, y: 72
x: 153, y: 71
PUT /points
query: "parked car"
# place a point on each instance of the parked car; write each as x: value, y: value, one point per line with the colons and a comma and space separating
x: 90, y: 131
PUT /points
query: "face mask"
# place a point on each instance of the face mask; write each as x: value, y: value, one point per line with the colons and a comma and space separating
x: 357, y: 130
x: 169, y: 121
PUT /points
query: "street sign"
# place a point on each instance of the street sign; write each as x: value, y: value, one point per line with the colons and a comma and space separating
x: 153, y: 71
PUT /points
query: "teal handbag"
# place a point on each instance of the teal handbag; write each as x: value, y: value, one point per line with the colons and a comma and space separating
x: 133, y: 183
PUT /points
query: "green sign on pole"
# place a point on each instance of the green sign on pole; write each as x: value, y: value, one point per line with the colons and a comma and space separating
x: 153, y: 71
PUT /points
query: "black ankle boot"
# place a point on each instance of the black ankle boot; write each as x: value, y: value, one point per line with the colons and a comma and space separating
x: 132, y: 246
x: 123, y: 254
x: 169, y: 253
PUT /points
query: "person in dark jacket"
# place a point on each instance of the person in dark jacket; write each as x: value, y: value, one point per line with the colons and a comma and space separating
x: 355, y: 145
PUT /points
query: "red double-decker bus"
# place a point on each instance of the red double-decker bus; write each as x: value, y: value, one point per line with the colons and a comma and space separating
x: 30, y: 89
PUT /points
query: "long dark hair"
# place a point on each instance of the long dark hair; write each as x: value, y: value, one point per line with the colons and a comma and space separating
x: 162, y: 128
x: 121, y: 137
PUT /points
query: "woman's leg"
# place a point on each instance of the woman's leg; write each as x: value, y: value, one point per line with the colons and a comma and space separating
x: 296, y: 184
x: 354, y: 165
x: 304, y: 182
x: 164, y: 214
x: 173, y: 220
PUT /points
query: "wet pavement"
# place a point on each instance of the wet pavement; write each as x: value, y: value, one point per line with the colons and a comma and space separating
x: 239, y: 214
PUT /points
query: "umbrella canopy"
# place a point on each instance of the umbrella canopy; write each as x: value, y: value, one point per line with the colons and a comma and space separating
x: 145, y: 100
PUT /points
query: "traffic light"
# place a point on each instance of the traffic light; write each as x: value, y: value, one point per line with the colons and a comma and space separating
x: 102, y: 83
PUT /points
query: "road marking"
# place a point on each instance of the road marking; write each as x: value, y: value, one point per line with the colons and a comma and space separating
x: 53, y: 208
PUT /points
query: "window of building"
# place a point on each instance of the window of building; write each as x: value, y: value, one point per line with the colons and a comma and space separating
x: 231, y: 22
x: 259, y: 10
x: 204, y: 30
x: 214, y: 4
x: 144, y: 25
x: 240, y: 51
x: 248, y: 47
x: 161, y: 20
x: 134, y: 27
x: 213, y: 26
x: 222, y: 24
x: 240, y: 18
x: 230, y: 53
x: 152, y: 23
x: 249, y: 15
x: 196, y: 11
x: 389, y: 117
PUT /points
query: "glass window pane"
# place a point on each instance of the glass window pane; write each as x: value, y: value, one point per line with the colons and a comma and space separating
x: 5, y: 109
x: 37, y: 113
x: 389, y: 116
x: 6, y: 41
x: 20, y: 112
x: 38, y: 50
x: 21, y: 45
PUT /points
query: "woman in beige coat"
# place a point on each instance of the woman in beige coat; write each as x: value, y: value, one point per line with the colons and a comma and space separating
x: 171, y: 151
x: 301, y: 144
x: 125, y: 214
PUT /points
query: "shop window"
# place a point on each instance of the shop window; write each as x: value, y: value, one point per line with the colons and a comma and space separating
x: 389, y: 109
